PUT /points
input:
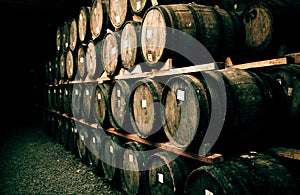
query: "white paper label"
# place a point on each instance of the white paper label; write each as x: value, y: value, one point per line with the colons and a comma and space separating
x: 207, y: 192
x: 154, y: 2
x: 66, y: 44
x: 82, y: 37
x: 138, y: 5
x: 111, y: 149
x: 130, y: 158
x: 150, y: 57
x: 75, y: 130
x: 160, y: 178
x: 117, y: 19
x: 82, y: 137
x: 54, y: 91
x: 119, y: 103
x: 113, y: 51
x: 97, y: 30
x: 144, y: 103
x: 99, y: 96
x: 62, y: 63
x: 118, y: 93
x: 149, y: 34
x: 81, y: 60
x: 80, y: 17
x: 72, y: 129
x: 87, y: 92
x: 279, y: 81
x: 91, y: 65
x: 290, y: 91
x: 49, y: 91
x: 60, y: 91
x: 66, y: 92
x: 50, y: 69
x: 76, y: 91
x: 180, y: 95
x: 94, y: 140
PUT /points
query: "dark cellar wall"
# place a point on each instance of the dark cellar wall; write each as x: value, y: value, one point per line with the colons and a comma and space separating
x: 26, y: 38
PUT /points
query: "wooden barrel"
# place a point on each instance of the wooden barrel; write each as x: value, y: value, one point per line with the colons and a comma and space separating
x: 54, y: 97
x: 95, y: 144
x: 139, y: 7
x: 84, y: 30
x: 248, y: 112
x: 99, y: 20
x: 58, y: 128
x: 101, y: 104
x: 57, y: 68
x: 234, y: 176
x: 111, y: 53
x: 269, y: 26
x: 73, y: 34
x: 145, y: 109
x: 62, y: 66
x: 49, y: 96
x: 118, y: 108
x: 213, y: 27
x: 130, y: 45
x: 60, y: 98
x: 71, y: 66
x: 288, y: 76
x: 65, y: 41
x: 88, y: 99
x: 68, y: 100
x: 166, y: 173
x: 118, y: 12
x: 81, y: 62
x: 73, y: 136
x: 77, y: 94
x: 187, y: 110
x: 132, y: 169
x: 93, y: 60
x: 111, y: 159
x: 50, y: 70
x: 65, y: 133
x: 58, y: 38
x: 82, y: 143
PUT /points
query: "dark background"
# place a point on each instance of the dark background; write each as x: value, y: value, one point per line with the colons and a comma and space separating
x: 28, y: 30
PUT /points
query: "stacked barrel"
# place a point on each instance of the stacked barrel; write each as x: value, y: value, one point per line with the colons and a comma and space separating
x: 112, y: 102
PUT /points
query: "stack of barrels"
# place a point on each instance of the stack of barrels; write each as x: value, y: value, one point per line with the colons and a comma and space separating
x: 229, y: 111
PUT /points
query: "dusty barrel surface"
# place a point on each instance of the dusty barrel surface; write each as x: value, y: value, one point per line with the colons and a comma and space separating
x: 101, y: 104
x: 132, y: 169
x: 93, y: 60
x: 81, y: 62
x: 99, y: 20
x: 62, y: 66
x: 58, y: 39
x: 65, y: 41
x: 68, y: 99
x: 73, y: 34
x: 71, y: 66
x: 119, y: 105
x: 88, y: 99
x: 118, y: 12
x: 73, y: 136
x: 110, y: 52
x: 187, y: 110
x: 248, y: 174
x: 84, y: 30
x: 77, y: 94
x: 166, y: 173
x: 145, y: 109
x: 268, y: 26
x: 130, y: 45
x: 82, y: 142
x: 249, y: 111
x: 288, y: 76
x: 95, y: 143
x: 215, y: 29
x: 111, y: 159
